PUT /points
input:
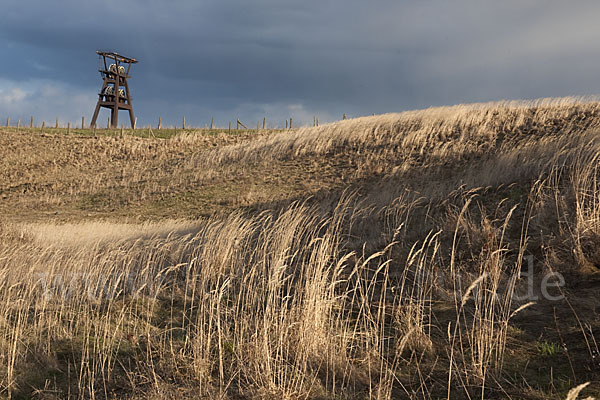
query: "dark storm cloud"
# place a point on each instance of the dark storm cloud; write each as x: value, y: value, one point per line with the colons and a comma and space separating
x: 296, y: 58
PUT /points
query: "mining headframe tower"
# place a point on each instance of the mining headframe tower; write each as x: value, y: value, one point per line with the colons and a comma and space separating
x: 115, y: 94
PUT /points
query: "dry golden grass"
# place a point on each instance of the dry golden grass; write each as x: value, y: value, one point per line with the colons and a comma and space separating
x: 438, y: 134
x: 396, y: 279
x: 264, y: 306
x: 181, y: 176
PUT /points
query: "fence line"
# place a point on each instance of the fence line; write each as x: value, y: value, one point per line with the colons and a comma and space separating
x: 289, y: 124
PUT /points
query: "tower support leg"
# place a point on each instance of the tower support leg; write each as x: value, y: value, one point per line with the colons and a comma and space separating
x: 95, y: 117
x: 97, y: 110
x: 128, y: 97
x: 114, y: 117
x: 131, y: 118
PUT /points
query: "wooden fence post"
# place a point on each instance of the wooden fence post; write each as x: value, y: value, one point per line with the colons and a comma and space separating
x: 344, y: 116
x: 229, y: 126
x: 240, y: 123
x: 159, y: 123
x: 264, y: 122
x: 122, y: 129
x: 69, y: 128
x: 82, y: 122
x: 31, y: 122
x: 183, y: 122
x: 19, y: 124
x: 56, y: 125
x: 290, y: 122
x: 108, y: 123
x: 286, y: 124
x: 7, y: 122
x: 43, y: 126
x: 212, y: 122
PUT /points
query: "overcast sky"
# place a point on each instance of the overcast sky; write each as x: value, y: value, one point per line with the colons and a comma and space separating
x: 299, y: 58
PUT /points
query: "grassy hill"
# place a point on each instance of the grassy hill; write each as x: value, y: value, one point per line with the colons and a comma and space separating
x: 447, y: 252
